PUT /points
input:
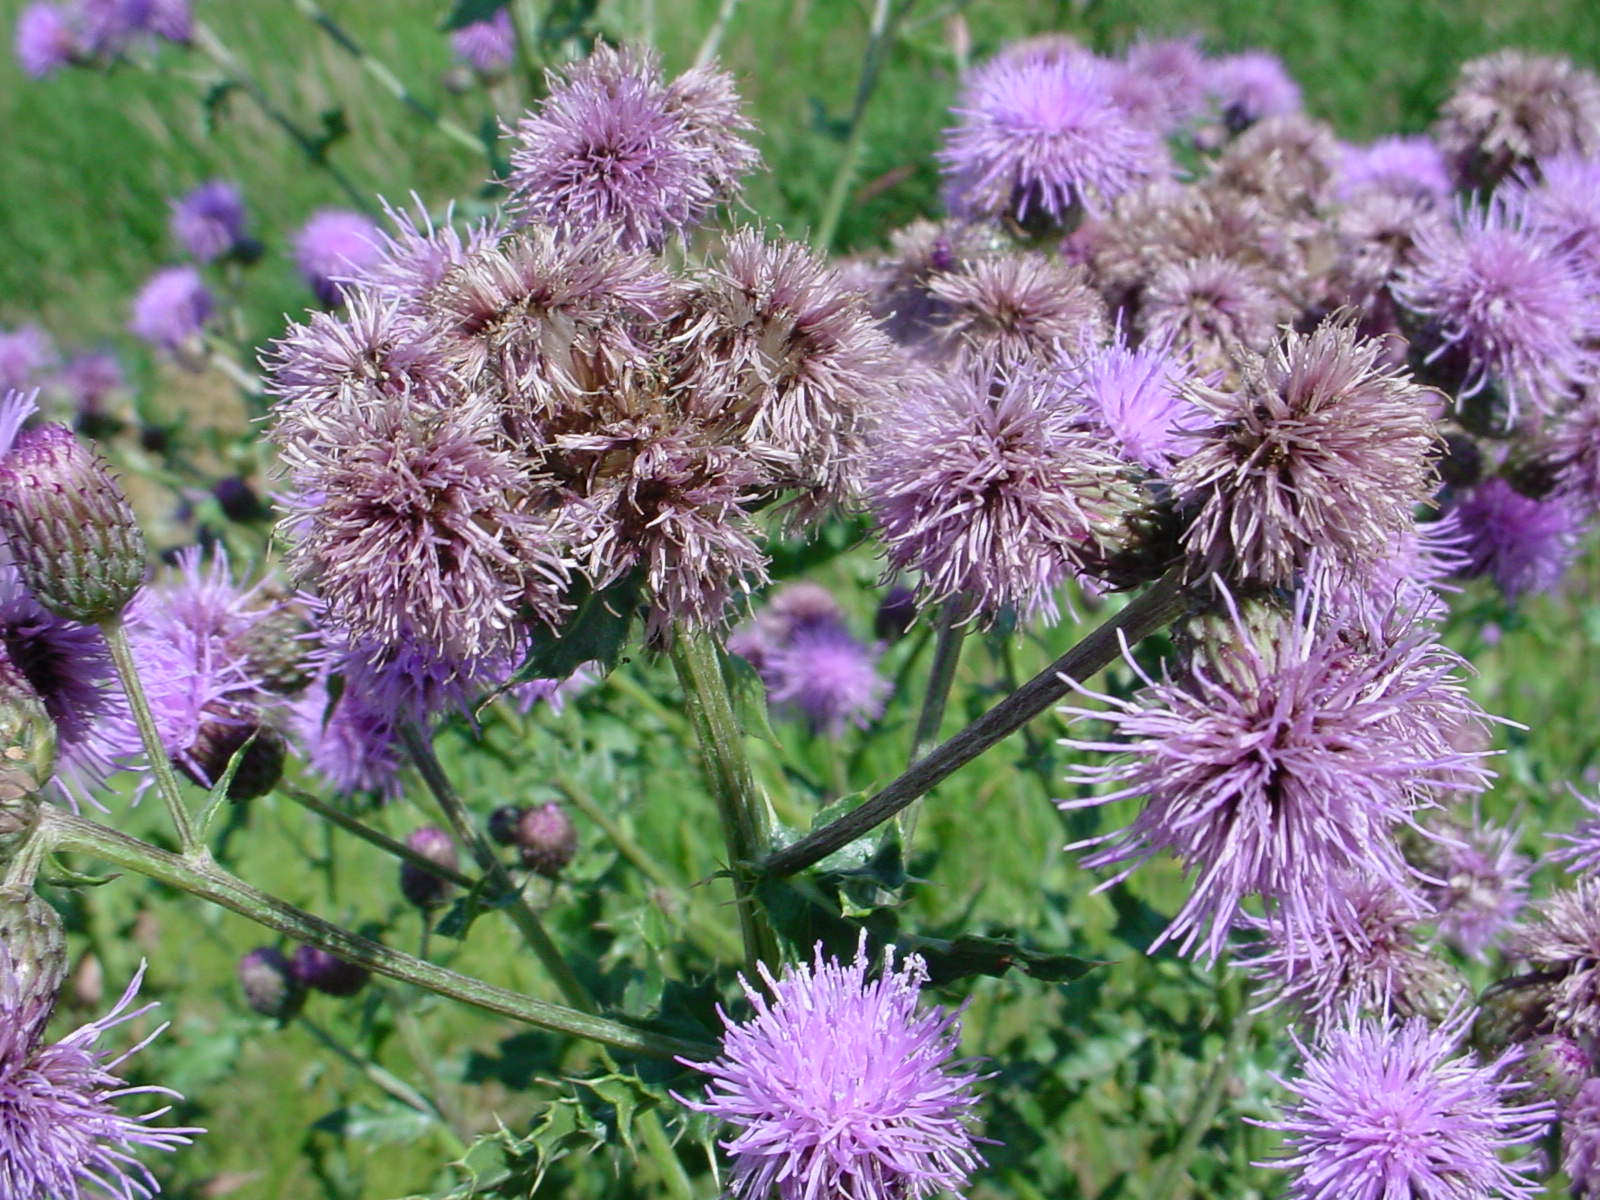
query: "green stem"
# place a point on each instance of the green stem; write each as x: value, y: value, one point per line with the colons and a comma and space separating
x: 160, y: 765
x: 1174, y: 1179
x: 65, y: 831
x: 664, y: 1156
x: 714, y: 35
x: 1152, y: 609
x: 696, y: 658
x: 208, y: 43
x: 467, y: 833
x: 941, y: 675
x: 385, y: 77
x: 386, y: 1082
x: 525, y: 24
x: 381, y: 840
x: 886, y: 15
x: 410, y: 1031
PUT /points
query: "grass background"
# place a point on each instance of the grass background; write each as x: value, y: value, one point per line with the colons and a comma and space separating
x: 1095, y: 1078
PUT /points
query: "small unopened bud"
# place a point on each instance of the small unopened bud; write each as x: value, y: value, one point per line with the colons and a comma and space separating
x: 222, y: 735
x: 328, y: 973
x: 896, y: 612
x: 238, y: 500
x: 1514, y: 1010
x: 270, y: 985
x: 546, y: 839
x: 1557, y: 1065
x: 274, y: 647
x: 72, y: 532
x: 417, y: 884
x: 27, y: 757
x: 503, y: 823
x: 30, y: 932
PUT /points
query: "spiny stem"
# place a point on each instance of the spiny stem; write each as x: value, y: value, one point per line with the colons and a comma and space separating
x: 941, y: 675
x: 160, y: 765
x: 886, y: 15
x: 381, y: 840
x: 1152, y: 609
x: 696, y: 657
x: 65, y: 831
x: 386, y: 78
x: 467, y: 833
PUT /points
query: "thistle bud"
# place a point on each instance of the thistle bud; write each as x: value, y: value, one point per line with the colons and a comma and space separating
x: 417, y: 884
x: 30, y: 933
x: 274, y: 648
x: 1557, y: 1065
x: 503, y: 823
x: 328, y: 973
x: 224, y: 734
x: 546, y: 839
x: 27, y: 756
x: 72, y: 532
x: 896, y: 613
x: 270, y: 985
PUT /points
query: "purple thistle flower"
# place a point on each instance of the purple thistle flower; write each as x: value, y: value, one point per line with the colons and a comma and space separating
x: 613, y: 151
x: 992, y: 486
x: 417, y: 254
x: 172, y: 309
x: 421, y: 887
x: 1573, y: 451
x: 1137, y: 395
x: 1477, y: 881
x: 1409, y: 165
x: 1360, y: 950
x: 1251, y: 86
x: 367, y: 348
x: 546, y: 839
x: 488, y: 47
x: 1581, y: 854
x: 1580, y: 1141
x: 1512, y: 109
x: 1317, y: 449
x: 1204, y: 307
x: 828, y: 677
x: 1384, y: 1110
x: 26, y: 353
x: 1280, y: 758
x: 60, y: 1132
x: 334, y: 247
x: 353, y: 746
x: 1561, y: 940
x: 1173, y: 74
x: 1524, y: 545
x: 1565, y: 204
x: 1506, y: 304
x: 1041, y: 135
x: 88, y: 380
x: 172, y: 20
x: 44, y: 40
x: 885, y: 1113
x: 208, y: 221
x: 791, y: 609
x: 1019, y: 303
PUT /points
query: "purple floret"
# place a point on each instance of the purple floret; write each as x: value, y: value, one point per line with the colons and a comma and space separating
x: 488, y: 47
x: 333, y: 247
x: 1524, y: 545
x: 171, y: 310
x: 208, y: 222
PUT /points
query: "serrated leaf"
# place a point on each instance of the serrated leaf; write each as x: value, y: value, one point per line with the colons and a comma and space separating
x: 595, y: 632
x: 219, y: 790
x: 969, y: 955
x: 470, y: 12
x: 466, y: 909
x: 749, y: 695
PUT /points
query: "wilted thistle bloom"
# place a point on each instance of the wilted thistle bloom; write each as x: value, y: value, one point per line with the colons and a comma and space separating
x: 1561, y: 940
x: 1206, y: 307
x: 1138, y: 396
x: 416, y: 255
x: 1318, y: 448
x: 1505, y: 305
x: 1523, y: 545
x: 1040, y: 136
x: 886, y: 1112
x: 208, y: 221
x: 171, y: 310
x: 1251, y: 86
x: 1512, y: 109
x: 60, y: 1132
x: 1358, y: 949
x: 44, y: 40
x: 614, y: 151
x: 1476, y: 880
x: 1386, y: 1109
x: 488, y: 47
x: 334, y: 246
x: 1284, y: 751
x: 1019, y: 304
x: 26, y: 353
x: 1411, y: 165
x: 992, y: 486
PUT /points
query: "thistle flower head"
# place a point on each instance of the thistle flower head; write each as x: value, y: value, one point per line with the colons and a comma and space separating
x: 61, y: 1133
x: 1582, y: 850
x: 1277, y: 759
x: 71, y: 531
x: 421, y: 887
x: 1476, y: 880
x: 1564, y: 203
x: 354, y: 746
x: 1251, y: 86
x: 1205, y: 307
x: 828, y: 677
x: 614, y: 151
x: 1016, y: 304
x: 1041, y: 135
x: 26, y: 353
x: 1172, y: 72
x: 333, y: 247
x: 208, y: 222
x: 546, y: 839
x: 1384, y: 1109
x: 1560, y: 939
x: 368, y: 349
x: 1505, y: 304
x: 1512, y: 109
x: 1317, y: 449
x: 1286, y: 163
x: 1136, y: 394
x: 269, y: 984
x: 1524, y: 545
x: 887, y: 1112
x: 44, y: 40
x: 1410, y: 165
x: 1580, y: 1140
x: 994, y: 487
x: 87, y: 382
x: 488, y: 47
x: 171, y: 310
x: 416, y: 254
